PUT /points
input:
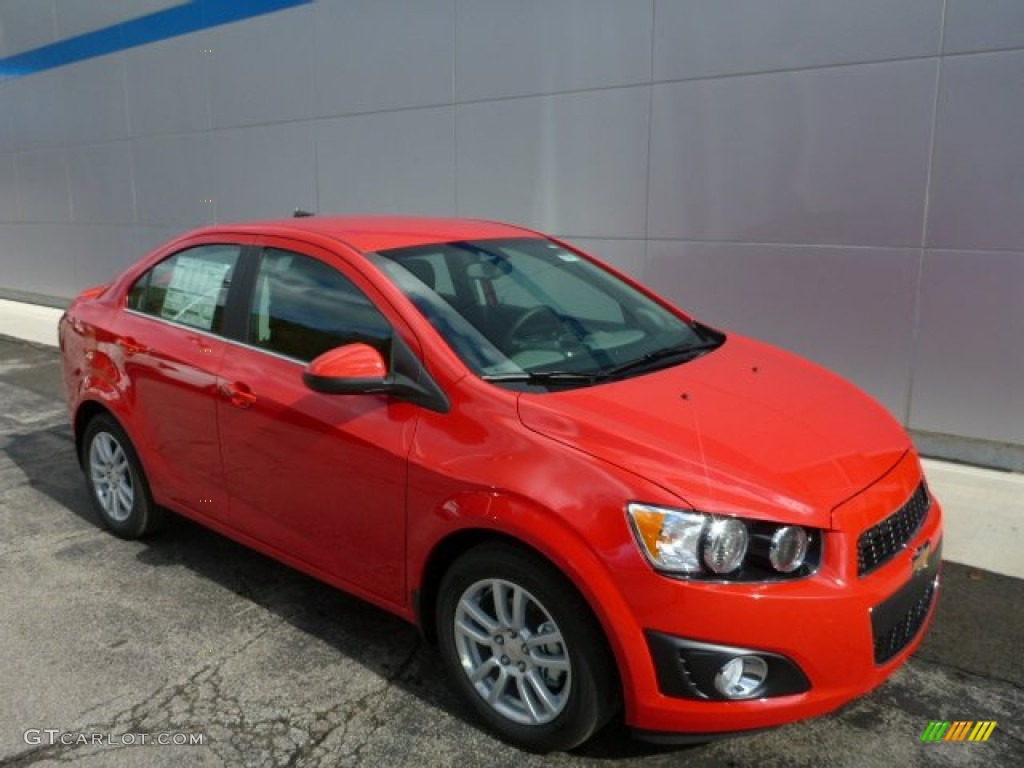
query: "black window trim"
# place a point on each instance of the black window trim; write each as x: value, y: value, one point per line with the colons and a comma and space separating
x: 235, y: 326
x: 234, y: 329
x: 243, y: 282
x: 237, y: 311
x: 241, y: 293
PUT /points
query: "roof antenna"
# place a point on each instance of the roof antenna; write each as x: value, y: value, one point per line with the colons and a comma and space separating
x: 301, y: 214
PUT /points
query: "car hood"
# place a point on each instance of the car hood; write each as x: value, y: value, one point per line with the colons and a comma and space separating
x: 746, y: 429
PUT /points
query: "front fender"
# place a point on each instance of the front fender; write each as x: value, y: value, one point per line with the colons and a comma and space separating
x: 586, y: 560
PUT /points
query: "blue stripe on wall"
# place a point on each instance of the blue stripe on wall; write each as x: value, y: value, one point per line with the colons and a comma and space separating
x: 171, y: 22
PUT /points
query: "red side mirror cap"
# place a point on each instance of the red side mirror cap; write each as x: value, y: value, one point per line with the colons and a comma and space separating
x: 352, y: 361
x: 352, y: 369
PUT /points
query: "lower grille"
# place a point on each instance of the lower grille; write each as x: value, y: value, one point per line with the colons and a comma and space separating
x: 897, y: 637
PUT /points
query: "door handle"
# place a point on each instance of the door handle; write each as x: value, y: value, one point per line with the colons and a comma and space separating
x: 130, y: 346
x: 238, y: 394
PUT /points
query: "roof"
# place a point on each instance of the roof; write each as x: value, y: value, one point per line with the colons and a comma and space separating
x: 377, y: 233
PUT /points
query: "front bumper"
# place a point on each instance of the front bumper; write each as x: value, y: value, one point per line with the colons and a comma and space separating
x: 844, y: 633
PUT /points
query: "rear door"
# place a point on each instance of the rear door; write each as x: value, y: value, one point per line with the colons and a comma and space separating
x: 170, y: 344
x: 319, y: 477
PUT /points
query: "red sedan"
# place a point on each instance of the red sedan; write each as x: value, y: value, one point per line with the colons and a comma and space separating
x: 590, y: 500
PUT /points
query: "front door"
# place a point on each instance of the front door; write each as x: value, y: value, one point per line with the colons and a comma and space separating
x: 320, y: 477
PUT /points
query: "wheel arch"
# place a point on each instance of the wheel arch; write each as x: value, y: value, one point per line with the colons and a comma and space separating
x: 86, y: 412
x: 458, y: 542
x: 440, y: 559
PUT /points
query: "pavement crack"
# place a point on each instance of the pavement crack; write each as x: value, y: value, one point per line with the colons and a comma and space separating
x: 1012, y: 737
x: 368, y: 706
x: 376, y: 721
x: 970, y: 673
x: 195, y: 704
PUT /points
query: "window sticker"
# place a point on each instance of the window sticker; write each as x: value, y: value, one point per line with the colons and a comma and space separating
x: 193, y: 291
x: 561, y: 252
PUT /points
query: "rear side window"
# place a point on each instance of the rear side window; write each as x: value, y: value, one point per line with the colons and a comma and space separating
x: 190, y: 287
x: 303, y: 307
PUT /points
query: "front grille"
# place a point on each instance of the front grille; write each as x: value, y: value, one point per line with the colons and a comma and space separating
x: 896, y: 638
x: 877, y: 545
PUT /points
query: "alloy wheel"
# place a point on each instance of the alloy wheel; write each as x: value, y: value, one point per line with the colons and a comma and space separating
x: 111, y: 476
x: 512, y: 652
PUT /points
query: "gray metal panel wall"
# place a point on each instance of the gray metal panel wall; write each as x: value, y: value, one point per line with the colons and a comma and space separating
x: 845, y: 179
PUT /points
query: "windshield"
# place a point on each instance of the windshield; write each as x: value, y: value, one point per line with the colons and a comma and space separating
x: 528, y: 310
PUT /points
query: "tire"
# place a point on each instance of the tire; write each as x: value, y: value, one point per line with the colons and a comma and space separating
x: 574, y: 666
x: 117, y: 485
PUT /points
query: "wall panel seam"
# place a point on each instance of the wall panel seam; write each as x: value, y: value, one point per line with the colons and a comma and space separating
x: 915, y: 330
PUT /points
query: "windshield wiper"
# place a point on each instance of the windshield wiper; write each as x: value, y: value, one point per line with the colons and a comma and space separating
x: 677, y: 353
x: 540, y: 377
x: 680, y: 353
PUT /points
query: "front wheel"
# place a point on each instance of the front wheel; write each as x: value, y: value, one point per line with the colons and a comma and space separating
x: 525, y: 649
x: 116, y: 481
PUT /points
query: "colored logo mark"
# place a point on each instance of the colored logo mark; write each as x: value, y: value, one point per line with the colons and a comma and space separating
x: 181, y: 19
x: 958, y: 730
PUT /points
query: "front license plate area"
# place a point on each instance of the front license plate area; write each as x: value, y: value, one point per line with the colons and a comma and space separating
x: 898, y: 620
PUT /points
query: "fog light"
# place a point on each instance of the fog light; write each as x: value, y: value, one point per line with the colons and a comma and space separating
x: 788, y: 549
x: 740, y: 677
x: 725, y: 544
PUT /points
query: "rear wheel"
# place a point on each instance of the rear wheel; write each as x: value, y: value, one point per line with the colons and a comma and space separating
x: 523, y: 646
x: 117, y: 484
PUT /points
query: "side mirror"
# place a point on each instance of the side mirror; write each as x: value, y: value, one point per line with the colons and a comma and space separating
x: 359, y: 369
x: 353, y: 369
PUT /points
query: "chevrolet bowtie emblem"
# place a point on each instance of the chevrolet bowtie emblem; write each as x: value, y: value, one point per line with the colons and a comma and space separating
x: 921, y: 557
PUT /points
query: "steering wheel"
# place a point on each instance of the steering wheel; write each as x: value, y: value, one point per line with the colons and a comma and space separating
x: 529, y: 325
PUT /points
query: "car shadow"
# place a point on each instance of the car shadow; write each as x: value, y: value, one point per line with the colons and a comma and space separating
x: 355, y: 629
x: 46, y: 457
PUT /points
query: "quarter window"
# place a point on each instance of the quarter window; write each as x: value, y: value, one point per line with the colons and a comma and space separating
x: 190, y: 287
x: 302, y: 307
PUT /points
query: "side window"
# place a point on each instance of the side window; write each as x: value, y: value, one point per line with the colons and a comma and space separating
x: 190, y: 287
x: 302, y: 307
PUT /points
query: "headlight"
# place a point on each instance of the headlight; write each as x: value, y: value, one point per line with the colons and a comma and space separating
x: 788, y: 549
x: 698, y: 545
x: 725, y: 544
